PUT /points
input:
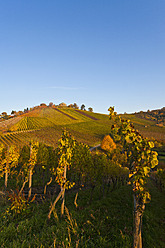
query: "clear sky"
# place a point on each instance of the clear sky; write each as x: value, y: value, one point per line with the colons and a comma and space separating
x: 99, y: 53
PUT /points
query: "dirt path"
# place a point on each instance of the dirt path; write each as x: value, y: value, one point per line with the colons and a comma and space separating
x: 92, y: 148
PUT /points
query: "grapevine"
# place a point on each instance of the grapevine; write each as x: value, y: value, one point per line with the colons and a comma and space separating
x: 141, y: 159
x: 65, y: 148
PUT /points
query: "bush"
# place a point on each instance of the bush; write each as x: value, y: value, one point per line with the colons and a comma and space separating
x: 108, y: 144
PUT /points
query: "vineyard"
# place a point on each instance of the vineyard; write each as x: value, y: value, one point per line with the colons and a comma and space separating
x: 61, y: 194
x: 85, y: 126
x: 5, y: 125
x: 30, y: 123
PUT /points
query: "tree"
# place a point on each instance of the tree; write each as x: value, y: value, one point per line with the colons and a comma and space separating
x: 82, y: 107
x: 43, y: 105
x: 75, y: 106
x: 62, y: 104
x: 50, y: 104
x: 13, y: 112
x: 4, y: 115
x: 90, y: 109
x: 19, y: 113
x: 108, y: 144
x: 70, y: 105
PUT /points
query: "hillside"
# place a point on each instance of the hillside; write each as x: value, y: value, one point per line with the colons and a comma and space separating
x: 148, y: 128
x: 158, y: 116
x: 45, y: 124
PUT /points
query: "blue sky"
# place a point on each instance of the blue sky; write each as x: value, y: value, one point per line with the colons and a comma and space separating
x: 99, y: 53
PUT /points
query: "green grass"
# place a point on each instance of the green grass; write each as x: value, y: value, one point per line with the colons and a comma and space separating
x: 154, y: 220
x: 106, y: 222
x: 100, y: 224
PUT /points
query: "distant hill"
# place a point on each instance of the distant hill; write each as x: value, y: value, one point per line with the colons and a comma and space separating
x: 157, y: 115
x: 45, y: 124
